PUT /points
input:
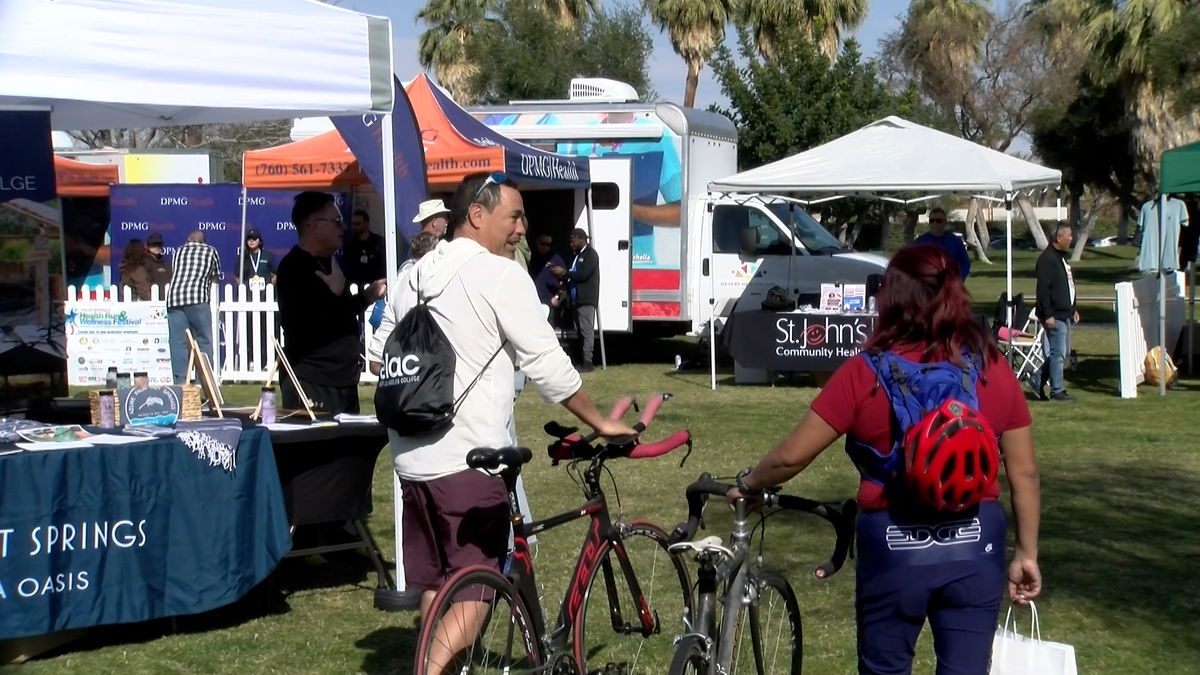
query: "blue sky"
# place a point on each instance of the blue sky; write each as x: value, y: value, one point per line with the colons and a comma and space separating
x: 666, y: 68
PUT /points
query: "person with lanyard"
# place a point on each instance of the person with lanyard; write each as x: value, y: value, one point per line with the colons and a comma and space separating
x: 318, y: 313
x: 918, y: 561
x: 583, y: 288
x: 258, y: 265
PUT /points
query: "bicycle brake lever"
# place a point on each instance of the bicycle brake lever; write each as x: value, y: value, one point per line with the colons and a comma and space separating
x: 686, y: 454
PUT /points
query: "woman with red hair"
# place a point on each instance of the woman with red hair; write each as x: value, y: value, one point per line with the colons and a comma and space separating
x: 944, y: 563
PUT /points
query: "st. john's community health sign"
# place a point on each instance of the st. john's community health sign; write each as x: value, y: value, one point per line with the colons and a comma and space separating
x: 132, y: 336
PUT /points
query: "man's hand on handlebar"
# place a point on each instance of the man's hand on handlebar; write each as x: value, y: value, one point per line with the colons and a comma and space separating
x: 614, y: 429
x: 754, y: 499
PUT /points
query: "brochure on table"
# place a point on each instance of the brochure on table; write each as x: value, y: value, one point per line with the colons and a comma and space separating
x: 133, y: 336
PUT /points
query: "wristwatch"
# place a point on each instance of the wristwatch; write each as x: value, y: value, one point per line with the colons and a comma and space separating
x: 740, y: 481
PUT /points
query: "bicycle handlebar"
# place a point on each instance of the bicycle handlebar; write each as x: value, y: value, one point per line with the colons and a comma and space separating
x: 570, y: 445
x: 840, y: 515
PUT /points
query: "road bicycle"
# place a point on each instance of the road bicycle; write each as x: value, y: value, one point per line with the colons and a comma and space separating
x: 760, y: 629
x: 626, y: 600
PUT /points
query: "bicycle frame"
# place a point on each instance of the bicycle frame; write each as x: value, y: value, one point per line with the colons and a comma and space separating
x: 601, y: 530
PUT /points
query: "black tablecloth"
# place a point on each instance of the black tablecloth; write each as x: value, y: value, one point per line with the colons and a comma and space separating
x: 795, y: 341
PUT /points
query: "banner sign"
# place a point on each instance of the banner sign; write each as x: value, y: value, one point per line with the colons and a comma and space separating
x: 126, y: 533
x: 26, y: 158
x: 796, y: 341
x: 132, y: 336
x: 364, y: 136
x: 270, y: 212
x: 175, y: 211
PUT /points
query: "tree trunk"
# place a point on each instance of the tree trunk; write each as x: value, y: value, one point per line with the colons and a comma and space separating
x: 856, y: 230
x: 910, y: 226
x: 1035, y: 227
x: 1074, y: 208
x: 693, y: 79
x: 971, y: 236
x: 1098, y: 204
x: 1123, y: 223
x: 979, y: 230
x: 885, y: 229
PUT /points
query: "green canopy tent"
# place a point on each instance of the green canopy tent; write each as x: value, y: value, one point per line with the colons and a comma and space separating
x: 1179, y: 171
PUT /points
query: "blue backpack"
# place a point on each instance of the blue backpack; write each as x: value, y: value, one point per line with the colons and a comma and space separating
x: 914, y: 390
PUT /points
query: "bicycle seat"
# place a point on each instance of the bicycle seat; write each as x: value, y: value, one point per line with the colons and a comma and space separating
x: 494, y: 458
x: 712, y: 544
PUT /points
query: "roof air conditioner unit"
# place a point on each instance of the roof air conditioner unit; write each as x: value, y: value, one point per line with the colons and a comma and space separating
x: 601, y: 89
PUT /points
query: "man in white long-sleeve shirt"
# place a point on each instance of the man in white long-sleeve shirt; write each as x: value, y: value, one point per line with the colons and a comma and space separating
x: 480, y: 299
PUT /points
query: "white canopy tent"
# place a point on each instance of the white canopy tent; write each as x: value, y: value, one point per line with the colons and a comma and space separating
x: 900, y: 161
x: 143, y: 63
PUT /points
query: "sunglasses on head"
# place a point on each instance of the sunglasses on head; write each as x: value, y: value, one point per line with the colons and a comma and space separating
x: 494, y: 178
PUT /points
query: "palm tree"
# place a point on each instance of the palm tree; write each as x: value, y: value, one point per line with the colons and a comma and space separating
x: 825, y: 20
x: 570, y: 12
x: 444, y: 47
x: 695, y: 28
x: 940, y: 41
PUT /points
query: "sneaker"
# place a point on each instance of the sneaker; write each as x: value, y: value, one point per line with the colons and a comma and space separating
x: 1062, y: 397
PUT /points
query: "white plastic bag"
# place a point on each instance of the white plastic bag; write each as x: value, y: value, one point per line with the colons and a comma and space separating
x: 1016, y: 654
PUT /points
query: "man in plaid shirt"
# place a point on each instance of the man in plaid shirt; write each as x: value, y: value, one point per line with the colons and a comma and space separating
x: 197, y: 266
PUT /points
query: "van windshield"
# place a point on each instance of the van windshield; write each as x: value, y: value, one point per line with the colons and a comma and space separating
x: 814, y: 237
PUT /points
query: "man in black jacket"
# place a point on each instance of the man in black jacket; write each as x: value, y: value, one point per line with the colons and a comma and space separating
x: 1056, y: 310
x: 318, y: 313
x: 583, y: 288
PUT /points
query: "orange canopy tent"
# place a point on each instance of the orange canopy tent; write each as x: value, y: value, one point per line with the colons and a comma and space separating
x: 324, y: 161
x: 81, y: 179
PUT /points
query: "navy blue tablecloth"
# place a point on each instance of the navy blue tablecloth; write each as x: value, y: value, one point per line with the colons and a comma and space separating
x: 118, y: 534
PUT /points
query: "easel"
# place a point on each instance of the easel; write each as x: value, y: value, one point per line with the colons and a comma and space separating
x: 198, y: 361
x: 280, y: 357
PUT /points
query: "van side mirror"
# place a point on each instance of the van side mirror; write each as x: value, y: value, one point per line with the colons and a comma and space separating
x: 749, y: 240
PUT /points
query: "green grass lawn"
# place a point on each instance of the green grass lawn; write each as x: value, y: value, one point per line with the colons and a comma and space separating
x: 1119, y: 545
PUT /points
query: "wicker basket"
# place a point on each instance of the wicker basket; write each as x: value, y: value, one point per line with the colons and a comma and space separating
x: 190, y: 405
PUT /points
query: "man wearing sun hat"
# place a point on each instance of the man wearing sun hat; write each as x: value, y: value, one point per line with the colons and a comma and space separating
x: 433, y: 216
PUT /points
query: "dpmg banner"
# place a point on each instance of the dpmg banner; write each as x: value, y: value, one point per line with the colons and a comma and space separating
x: 364, y: 136
x: 175, y: 211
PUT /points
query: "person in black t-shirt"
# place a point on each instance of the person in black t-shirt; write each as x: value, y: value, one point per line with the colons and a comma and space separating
x: 364, y: 255
x: 318, y: 313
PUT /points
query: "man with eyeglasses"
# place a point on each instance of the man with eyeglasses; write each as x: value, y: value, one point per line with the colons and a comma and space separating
x: 487, y: 307
x: 950, y: 241
x: 317, y: 312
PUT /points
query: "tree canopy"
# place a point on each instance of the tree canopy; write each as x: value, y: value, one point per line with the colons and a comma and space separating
x: 798, y: 99
x: 527, y: 53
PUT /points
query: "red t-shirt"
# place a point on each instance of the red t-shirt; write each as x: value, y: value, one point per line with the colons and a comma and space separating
x: 851, y: 403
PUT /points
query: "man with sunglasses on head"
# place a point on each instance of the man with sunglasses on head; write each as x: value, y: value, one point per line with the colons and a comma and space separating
x: 488, y: 309
x: 939, y: 236
x: 317, y: 312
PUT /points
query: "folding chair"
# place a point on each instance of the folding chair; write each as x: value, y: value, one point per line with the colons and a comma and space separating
x: 1023, y: 346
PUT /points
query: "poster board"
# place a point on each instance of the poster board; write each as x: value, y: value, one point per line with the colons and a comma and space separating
x: 133, y: 336
x: 204, y: 374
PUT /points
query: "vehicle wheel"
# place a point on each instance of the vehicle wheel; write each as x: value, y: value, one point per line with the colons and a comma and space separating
x: 608, y: 636
x: 768, y: 637
x: 480, y: 601
x: 690, y: 658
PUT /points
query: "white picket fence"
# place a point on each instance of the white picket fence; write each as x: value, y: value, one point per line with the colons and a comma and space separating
x: 243, y: 322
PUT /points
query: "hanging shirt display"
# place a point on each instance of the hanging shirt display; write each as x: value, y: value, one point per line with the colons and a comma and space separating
x: 1166, y: 247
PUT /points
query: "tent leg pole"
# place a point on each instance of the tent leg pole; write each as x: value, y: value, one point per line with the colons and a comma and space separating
x: 1162, y: 297
x: 1191, y: 274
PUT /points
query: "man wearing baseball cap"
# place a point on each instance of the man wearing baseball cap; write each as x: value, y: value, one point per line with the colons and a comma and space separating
x: 156, y: 264
x: 433, y: 216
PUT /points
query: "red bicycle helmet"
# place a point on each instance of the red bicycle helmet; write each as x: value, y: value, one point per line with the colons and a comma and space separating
x: 951, y: 458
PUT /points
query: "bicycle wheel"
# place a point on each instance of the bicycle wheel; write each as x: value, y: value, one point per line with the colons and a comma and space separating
x: 690, y: 658
x: 768, y: 637
x: 477, y: 624
x: 608, y: 636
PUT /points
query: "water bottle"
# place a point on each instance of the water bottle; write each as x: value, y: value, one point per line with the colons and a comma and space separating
x: 110, y: 378
x: 267, y: 402
x: 141, y: 379
x: 107, y: 410
x: 124, y: 380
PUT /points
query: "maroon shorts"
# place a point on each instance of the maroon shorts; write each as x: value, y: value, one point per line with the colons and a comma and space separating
x: 450, y: 523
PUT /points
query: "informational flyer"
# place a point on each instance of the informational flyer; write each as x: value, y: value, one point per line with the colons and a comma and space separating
x: 130, y: 336
x: 854, y: 298
x: 831, y: 297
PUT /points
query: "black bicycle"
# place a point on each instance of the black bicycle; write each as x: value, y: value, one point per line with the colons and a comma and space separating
x: 760, y: 630
x: 627, y: 598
